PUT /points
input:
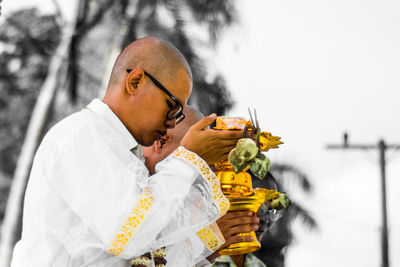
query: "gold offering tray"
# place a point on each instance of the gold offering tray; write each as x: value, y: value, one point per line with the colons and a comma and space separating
x: 237, y: 187
x: 267, y: 140
x: 252, y: 203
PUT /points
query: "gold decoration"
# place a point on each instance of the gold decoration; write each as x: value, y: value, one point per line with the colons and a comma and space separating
x: 228, y: 123
x: 268, y: 141
x: 156, y: 256
x: 160, y: 252
x: 140, y: 261
x: 237, y: 187
x: 131, y: 224
x: 218, y: 197
x: 211, y: 237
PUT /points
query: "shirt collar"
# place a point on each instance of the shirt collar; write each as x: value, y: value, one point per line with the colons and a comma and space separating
x: 138, y: 152
x: 102, y: 110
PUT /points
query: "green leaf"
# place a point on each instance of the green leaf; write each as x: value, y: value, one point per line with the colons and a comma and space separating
x: 260, y: 165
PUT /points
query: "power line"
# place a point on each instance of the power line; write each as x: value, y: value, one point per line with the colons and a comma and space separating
x: 381, y: 146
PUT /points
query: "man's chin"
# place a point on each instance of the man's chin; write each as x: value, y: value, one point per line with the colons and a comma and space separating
x: 157, y: 137
x: 147, y: 141
x: 146, y: 144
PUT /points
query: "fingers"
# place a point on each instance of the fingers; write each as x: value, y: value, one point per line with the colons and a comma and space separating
x: 226, y: 142
x: 204, y: 122
x: 221, y: 142
x: 243, y: 221
x: 221, y: 152
x: 221, y: 155
x: 238, y: 222
x: 234, y: 223
x: 243, y: 229
x: 226, y: 134
x: 237, y: 239
x: 235, y: 214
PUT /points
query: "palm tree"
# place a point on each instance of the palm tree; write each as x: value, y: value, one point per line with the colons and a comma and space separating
x: 167, y: 19
x: 134, y: 16
x: 34, y: 132
x: 96, y: 23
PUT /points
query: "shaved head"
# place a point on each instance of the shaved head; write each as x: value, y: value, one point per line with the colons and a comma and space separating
x: 156, y: 56
x: 143, y: 103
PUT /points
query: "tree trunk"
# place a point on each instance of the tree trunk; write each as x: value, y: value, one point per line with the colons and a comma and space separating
x: 127, y: 29
x: 33, y: 137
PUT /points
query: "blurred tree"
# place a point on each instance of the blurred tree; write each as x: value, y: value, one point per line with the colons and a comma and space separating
x: 32, y: 62
x: 169, y: 20
x: 0, y: 7
x: 28, y: 40
x: 25, y: 47
x: 277, y: 240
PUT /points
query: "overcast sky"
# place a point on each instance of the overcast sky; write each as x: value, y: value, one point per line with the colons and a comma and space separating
x: 314, y: 69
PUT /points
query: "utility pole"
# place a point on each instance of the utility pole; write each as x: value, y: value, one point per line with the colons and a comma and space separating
x: 382, y: 147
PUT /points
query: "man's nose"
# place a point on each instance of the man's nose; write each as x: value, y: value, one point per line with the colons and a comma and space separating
x: 170, y: 124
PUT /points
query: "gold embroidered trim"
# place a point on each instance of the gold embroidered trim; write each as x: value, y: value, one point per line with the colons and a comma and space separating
x: 157, y: 257
x: 211, y: 237
x: 131, y: 224
x: 161, y: 252
x: 140, y: 261
x: 219, y: 199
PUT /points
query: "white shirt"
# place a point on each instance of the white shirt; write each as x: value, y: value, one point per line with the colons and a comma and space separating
x: 90, y: 201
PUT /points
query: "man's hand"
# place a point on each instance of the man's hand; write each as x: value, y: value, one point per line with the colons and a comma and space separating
x: 235, y: 222
x: 210, y: 145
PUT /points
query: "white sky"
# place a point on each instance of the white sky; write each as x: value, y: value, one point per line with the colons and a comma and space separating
x: 314, y: 69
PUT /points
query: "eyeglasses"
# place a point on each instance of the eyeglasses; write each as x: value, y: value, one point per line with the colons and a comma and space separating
x: 176, y: 111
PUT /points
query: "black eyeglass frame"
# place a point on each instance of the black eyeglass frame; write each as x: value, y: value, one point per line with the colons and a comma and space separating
x: 179, y: 116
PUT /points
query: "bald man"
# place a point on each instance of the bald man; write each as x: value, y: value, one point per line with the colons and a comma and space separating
x: 90, y: 200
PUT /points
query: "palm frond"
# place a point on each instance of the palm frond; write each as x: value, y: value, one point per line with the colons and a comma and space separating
x: 215, y: 14
x: 213, y: 96
x: 297, y: 211
x: 285, y: 170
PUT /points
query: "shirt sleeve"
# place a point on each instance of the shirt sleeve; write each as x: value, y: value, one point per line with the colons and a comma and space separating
x: 183, y: 207
x: 189, y: 252
x: 107, y: 187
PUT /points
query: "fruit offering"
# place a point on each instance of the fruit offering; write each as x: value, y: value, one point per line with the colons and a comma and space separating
x: 246, y: 149
x: 247, y: 153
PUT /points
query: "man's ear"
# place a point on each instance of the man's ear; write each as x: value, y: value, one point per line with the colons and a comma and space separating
x: 133, y: 80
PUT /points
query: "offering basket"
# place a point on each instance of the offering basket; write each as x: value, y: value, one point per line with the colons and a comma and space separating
x: 237, y: 187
